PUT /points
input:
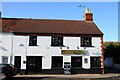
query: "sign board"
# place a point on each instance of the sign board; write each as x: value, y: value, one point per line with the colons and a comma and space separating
x: 78, y: 52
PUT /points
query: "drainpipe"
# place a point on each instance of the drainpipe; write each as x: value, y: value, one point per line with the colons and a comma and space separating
x: 11, y: 56
x: 26, y: 46
x: 25, y: 57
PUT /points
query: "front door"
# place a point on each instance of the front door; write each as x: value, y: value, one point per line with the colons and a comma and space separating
x: 17, y: 63
x: 34, y: 64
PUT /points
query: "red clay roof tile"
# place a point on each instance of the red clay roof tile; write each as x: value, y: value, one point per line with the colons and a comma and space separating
x: 19, y: 25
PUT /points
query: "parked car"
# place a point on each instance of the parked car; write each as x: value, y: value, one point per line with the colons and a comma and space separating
x: 2, y: 76
x: 8, y: 70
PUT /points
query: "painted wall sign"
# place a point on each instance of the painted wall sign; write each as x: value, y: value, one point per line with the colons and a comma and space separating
x: 79, y: 52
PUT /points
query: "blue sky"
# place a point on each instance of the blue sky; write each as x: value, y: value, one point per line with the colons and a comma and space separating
x: 105, y: 13
x: 59, y: 0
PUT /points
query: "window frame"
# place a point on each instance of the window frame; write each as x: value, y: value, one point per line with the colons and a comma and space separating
x: 84, y: 42
x: 33, y: 42
x: 57, y: 41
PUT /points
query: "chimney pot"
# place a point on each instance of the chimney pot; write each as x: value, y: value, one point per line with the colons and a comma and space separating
x: 88, y: 16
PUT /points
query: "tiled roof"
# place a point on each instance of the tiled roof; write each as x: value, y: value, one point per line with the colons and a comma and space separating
x: 39, y: 26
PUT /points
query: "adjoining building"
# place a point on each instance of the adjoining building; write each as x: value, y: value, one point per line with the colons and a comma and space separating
x: 44, y: 45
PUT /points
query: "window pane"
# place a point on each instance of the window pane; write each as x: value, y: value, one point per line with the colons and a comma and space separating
x: 57, y: 41
x: 33, y: 41
x: 95, y: 62
x: 86, y: 41
x: 5, y: 59
x: 85, y: 60
x: 76, y: 61
x: 57, y: 61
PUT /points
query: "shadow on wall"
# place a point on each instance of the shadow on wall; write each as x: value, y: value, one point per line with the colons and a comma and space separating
x: 2, y: 48
x: 108, y: 62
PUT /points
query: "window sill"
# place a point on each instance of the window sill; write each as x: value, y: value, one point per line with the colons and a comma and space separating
x: 56, y: 46
x: 95, y: 67
x: 87, y: 46
x: 56, y: 68
x: 77, y: 67
x: 33, y: 46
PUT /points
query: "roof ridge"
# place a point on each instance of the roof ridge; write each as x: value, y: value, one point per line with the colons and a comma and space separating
x: 40, y: 19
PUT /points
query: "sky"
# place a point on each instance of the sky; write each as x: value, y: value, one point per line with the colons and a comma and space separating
x: 59, y: 0
x: 105, y: 14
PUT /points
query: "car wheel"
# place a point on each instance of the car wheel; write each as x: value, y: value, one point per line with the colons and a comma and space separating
x: 3, y: 76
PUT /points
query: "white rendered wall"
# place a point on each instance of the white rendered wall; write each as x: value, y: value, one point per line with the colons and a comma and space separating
x: 44, y: 48
x: 96, y: 49
x: 1, y: 48
x: 20, y: 48
x: 72, y: 42
x: 5, y: 45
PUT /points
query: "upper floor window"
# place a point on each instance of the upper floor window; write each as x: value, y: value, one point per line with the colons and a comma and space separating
x: 86, y: 42
x: 56, y: 41
x: 33, y: 41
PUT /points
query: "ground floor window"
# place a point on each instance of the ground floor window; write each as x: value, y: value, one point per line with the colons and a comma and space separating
x: 4, y: 59
x: 57, y: 61
x: 76, y: 61
x: 95, y: 61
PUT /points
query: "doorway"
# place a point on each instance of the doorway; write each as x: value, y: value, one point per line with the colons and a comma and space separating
x: 34, y: 64
x: 17, y: 63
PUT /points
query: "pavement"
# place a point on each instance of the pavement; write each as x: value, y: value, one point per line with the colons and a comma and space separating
x: 82, y: 76
x: 110, y: 73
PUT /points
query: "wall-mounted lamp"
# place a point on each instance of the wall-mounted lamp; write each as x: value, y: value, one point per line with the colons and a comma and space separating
x: 21, y: 44
x: 43, y: 56
x: 60, y: 47
x: 84, y: 48
x: 47, y: 47
x: 67, y: 47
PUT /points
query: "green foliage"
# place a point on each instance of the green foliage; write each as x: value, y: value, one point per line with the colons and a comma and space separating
x: 73, y: 52
x: 112, y: 49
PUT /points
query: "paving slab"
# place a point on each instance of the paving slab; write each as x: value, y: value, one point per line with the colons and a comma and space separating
x: 84, y: 76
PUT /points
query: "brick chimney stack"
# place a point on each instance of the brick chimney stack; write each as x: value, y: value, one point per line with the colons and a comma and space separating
x: 88, y: 16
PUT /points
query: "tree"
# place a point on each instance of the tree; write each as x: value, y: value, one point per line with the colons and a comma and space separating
x: 112, y: 49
